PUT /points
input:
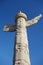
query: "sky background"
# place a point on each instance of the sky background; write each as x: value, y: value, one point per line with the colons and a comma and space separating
x: 8, y: 10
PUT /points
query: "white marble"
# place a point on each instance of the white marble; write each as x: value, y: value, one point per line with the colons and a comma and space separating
x: 21, y: 50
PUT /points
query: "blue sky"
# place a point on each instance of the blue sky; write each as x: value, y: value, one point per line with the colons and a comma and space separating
x: 8, y: 10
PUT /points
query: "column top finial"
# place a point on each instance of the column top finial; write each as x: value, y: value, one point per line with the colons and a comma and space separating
x: 21, y: 14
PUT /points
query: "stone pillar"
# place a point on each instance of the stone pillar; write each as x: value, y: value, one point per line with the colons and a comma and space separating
x: 21, y: 50
x: 21, y: 55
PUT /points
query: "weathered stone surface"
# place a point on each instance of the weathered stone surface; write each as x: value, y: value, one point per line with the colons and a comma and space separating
x: 21, y: 55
